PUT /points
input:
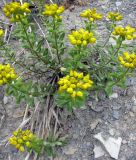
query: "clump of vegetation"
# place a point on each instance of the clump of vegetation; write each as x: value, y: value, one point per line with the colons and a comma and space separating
x: 67, y: 74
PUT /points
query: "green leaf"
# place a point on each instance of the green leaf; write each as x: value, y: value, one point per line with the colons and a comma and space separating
x: 108, y: 88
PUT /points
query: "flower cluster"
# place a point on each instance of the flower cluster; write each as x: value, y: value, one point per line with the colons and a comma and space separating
x: 127, y: 32
x: 75, y: 84
x: 81, y: 37
x: 53, y: 10
x: 114, y: 16
x: 92, y: 15
x: 16, y: 11
x: 1, y: 32
x: 21, y: 139
x: 6, y: 74
x: 128, y: 60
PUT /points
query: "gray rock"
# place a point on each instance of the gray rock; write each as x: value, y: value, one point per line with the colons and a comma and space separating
x: 5, y: 100
x: 98, y: 151
x: 112, y: 132
x: 133, y: 157
x: 116, y: 114
x: 70, y: 150
x: 1, y: 93
x: 94, y: 124
x: 118, y: 3
x: 116, y: 106
x: 97, y: 107
x: 134, y: 108
x: 111, y: 144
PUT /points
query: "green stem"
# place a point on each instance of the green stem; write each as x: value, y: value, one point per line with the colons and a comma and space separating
x: 75, y: 59
x: 99, y: 68
x: 30, y: 44
x: 113, y: 25
x: 121, y: 76
x: 56, y: 42
x: 35, y: 94
x: 107, y: 39
x: 20, y: 64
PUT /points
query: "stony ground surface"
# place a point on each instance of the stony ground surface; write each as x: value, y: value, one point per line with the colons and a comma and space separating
x: 114, y: 117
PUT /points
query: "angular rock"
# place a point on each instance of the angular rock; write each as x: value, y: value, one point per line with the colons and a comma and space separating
x: 98, y: 151
x: 114, y: 95
x: 118, y: 3
x: 1, y: 93
x: 94, y: 124
x: 70, y: 150
x: 116, y: 114
x: 5, y: 100
x: 112, y: 145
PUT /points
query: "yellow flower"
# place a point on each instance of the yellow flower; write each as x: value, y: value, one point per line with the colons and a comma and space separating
x: 15, y: 133
x: 114, y: 16
x: 21, y: 148
x: 92, y: 40
x: 21, y: 139
x: 70, y: 90
x: 79, y: 94
x: 76, y: 84
x: 53, y: 10
x: 73, y: 86
x: 16, y: 11
x: 128, y: 60
x: 127, y: 32
x: 13, y: 142
x: 73, y: 94
x: 6, y: 74
x: 91, y: 15
x: 28, y: 144
x: 80, y: 75
x: 1, y: 32
x: 81, y: 37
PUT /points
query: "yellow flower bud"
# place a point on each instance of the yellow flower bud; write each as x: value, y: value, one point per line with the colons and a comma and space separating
x: 72, y: 86
x: 127, y: 65
x: 79, y: 42
x: 120, y: 58
x: 25, y: 138
x: 92, y: 40
x: 20, y: 141
x: 80, y: 75
x: 73, y: 94
x: 84, y: 43
x: 21, y: 149
x: 1, y: 32
x: 70, y: 90
x: 15, y: 133
x: 28, y: 144
x: 71, y: 73
x: 79, y: 94
x: 129, y: 37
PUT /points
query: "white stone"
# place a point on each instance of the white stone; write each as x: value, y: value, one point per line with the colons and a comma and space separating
x: 112, y: 132
x: 114, y: 95
x: 5, y: 100
x: 134, y: 99
x: 118, y: 3
x: 98, y: 151
x: 112, y: 145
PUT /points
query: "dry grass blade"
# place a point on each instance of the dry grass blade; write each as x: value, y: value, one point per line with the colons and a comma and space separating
x: 33, y: 116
